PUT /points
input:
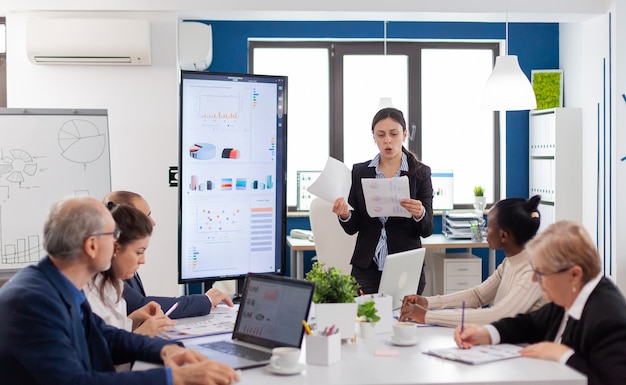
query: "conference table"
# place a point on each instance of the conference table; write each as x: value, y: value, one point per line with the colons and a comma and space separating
x: 298, y: 246
x: 376, y: 361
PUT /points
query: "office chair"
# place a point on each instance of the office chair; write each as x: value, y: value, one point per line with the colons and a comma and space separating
x: 333, y: 247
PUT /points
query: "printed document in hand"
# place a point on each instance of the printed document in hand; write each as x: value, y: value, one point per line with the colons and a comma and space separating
x: 334, y: 182
x: 478, y: 354
x: 383, y: 196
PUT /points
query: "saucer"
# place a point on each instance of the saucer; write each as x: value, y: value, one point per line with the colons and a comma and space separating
x: 410, y: 342
x: 286, y: 372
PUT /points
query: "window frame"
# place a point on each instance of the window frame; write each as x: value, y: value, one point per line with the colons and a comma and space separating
x: 413, y: 49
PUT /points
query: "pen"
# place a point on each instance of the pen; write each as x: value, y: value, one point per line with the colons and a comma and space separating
x: 307, y: 329
x: 171, y: 309
x: 462, y: 317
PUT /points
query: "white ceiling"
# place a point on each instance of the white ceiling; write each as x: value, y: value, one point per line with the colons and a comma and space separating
x: 398, y: 10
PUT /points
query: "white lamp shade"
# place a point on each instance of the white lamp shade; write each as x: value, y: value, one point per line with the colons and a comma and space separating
x: 384, y: 103
x: 508, y: 88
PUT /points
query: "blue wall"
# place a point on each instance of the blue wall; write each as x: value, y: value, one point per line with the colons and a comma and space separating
x: 536, y: 44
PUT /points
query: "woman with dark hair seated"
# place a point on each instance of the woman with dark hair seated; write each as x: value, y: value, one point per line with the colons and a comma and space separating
x: 509, y: 290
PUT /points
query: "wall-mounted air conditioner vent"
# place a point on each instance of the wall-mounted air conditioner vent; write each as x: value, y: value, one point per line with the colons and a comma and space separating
x: 88, y: 41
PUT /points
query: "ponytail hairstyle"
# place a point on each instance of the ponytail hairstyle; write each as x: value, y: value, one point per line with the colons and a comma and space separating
x: 398, y: 117
x: 519, y: 216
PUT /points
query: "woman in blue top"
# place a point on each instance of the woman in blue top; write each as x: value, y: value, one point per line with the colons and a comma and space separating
x: 380, y: 236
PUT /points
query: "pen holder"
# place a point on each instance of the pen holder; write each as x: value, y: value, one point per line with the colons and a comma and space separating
x: 323, y: 350
x: 478, y: 231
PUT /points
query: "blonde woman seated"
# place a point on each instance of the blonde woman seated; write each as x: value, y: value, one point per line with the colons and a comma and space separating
x: 584, y: 325
x: 104, y: 291
x: 509, y: 290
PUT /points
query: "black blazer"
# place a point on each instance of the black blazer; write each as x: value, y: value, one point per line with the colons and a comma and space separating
x: 598, y: 338
x: 402, y: 233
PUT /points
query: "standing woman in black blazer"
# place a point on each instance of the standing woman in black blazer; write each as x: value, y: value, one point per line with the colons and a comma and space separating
x: 381, y: 236
x: 583, y: 327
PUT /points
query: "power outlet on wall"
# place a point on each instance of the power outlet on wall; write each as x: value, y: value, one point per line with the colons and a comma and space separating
x: 173, y: 176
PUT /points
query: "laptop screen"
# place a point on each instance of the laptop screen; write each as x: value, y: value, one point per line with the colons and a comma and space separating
x: 272, y: 309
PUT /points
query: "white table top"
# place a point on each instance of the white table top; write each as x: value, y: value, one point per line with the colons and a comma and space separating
x: 433, y: 241
x: 360, y: 366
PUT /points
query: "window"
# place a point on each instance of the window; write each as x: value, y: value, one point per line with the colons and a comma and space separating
x: 456, y: 134
x: 308, y: 119
x: 335, y: 89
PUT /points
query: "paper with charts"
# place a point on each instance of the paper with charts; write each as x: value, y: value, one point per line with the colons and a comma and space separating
x: 478, y: 354
x: 221, y: 320
x: 383, y: 196
x: 46, y: 155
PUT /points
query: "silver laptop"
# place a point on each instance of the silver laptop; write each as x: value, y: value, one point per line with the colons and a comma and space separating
x: 401, y: 274
x: 270, y: 315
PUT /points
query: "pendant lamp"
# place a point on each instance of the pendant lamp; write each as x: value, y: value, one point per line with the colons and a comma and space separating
x: 508, y: 88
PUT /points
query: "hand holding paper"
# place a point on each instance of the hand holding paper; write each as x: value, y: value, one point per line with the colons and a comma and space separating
x: 334, y: 182
x: 383, y: 196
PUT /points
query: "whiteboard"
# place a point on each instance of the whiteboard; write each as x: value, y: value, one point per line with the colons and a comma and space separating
x: 46, y: 155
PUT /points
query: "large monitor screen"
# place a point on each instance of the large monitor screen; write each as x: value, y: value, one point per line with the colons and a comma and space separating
x: 232, y: 208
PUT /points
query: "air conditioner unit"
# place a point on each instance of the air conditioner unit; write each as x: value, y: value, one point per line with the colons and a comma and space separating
x: 88, y: 41
x: 195, y: 45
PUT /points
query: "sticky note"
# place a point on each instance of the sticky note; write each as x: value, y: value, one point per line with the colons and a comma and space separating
x: 386, y: 353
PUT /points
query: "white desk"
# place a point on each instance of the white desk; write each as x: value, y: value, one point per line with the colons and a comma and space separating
x: 297, y: 248
x: 435, y: 241
x: 359, y: 366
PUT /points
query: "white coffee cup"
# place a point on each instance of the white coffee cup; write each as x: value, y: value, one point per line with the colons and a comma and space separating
x: 404, y: 331
x: 285, y: 358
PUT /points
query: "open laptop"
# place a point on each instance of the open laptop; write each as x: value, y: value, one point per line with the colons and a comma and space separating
x: 270, y: 315
x: 401, y: 275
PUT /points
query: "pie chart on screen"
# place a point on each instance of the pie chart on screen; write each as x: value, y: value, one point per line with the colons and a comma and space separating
x: 81, y: 141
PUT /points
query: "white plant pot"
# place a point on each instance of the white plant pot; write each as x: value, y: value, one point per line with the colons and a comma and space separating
x: 342, y: 315
x: 368, y: 329
x: 480, y: 203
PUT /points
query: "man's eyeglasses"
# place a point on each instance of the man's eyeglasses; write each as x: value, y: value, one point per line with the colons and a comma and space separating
x: 539, y: 275
x: 116, y: 234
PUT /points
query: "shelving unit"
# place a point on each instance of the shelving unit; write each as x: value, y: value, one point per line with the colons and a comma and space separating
x: 555, y: 164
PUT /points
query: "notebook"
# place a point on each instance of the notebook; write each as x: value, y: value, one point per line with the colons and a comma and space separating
x: 270, y: 315
x: 401, y: 275
x: 479, y: 354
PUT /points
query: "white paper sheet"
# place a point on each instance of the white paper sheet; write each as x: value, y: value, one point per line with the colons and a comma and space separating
x: 334, y: 182
x: 383, y: 196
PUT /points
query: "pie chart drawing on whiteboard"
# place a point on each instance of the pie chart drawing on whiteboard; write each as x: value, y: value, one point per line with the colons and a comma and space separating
x: 81, y: 141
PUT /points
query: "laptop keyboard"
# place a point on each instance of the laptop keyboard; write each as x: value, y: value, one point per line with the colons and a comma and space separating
x: 238, y: 350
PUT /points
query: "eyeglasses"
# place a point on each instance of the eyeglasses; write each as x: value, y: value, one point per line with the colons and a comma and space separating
x: 539, y: 275
x: 116, y: 234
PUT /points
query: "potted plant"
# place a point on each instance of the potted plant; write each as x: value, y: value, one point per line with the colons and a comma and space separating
x: 334, y: 298
x: 480, y: 202
x: 366, y: 311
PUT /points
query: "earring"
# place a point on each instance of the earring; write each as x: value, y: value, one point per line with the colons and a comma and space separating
x: 573, y: 289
